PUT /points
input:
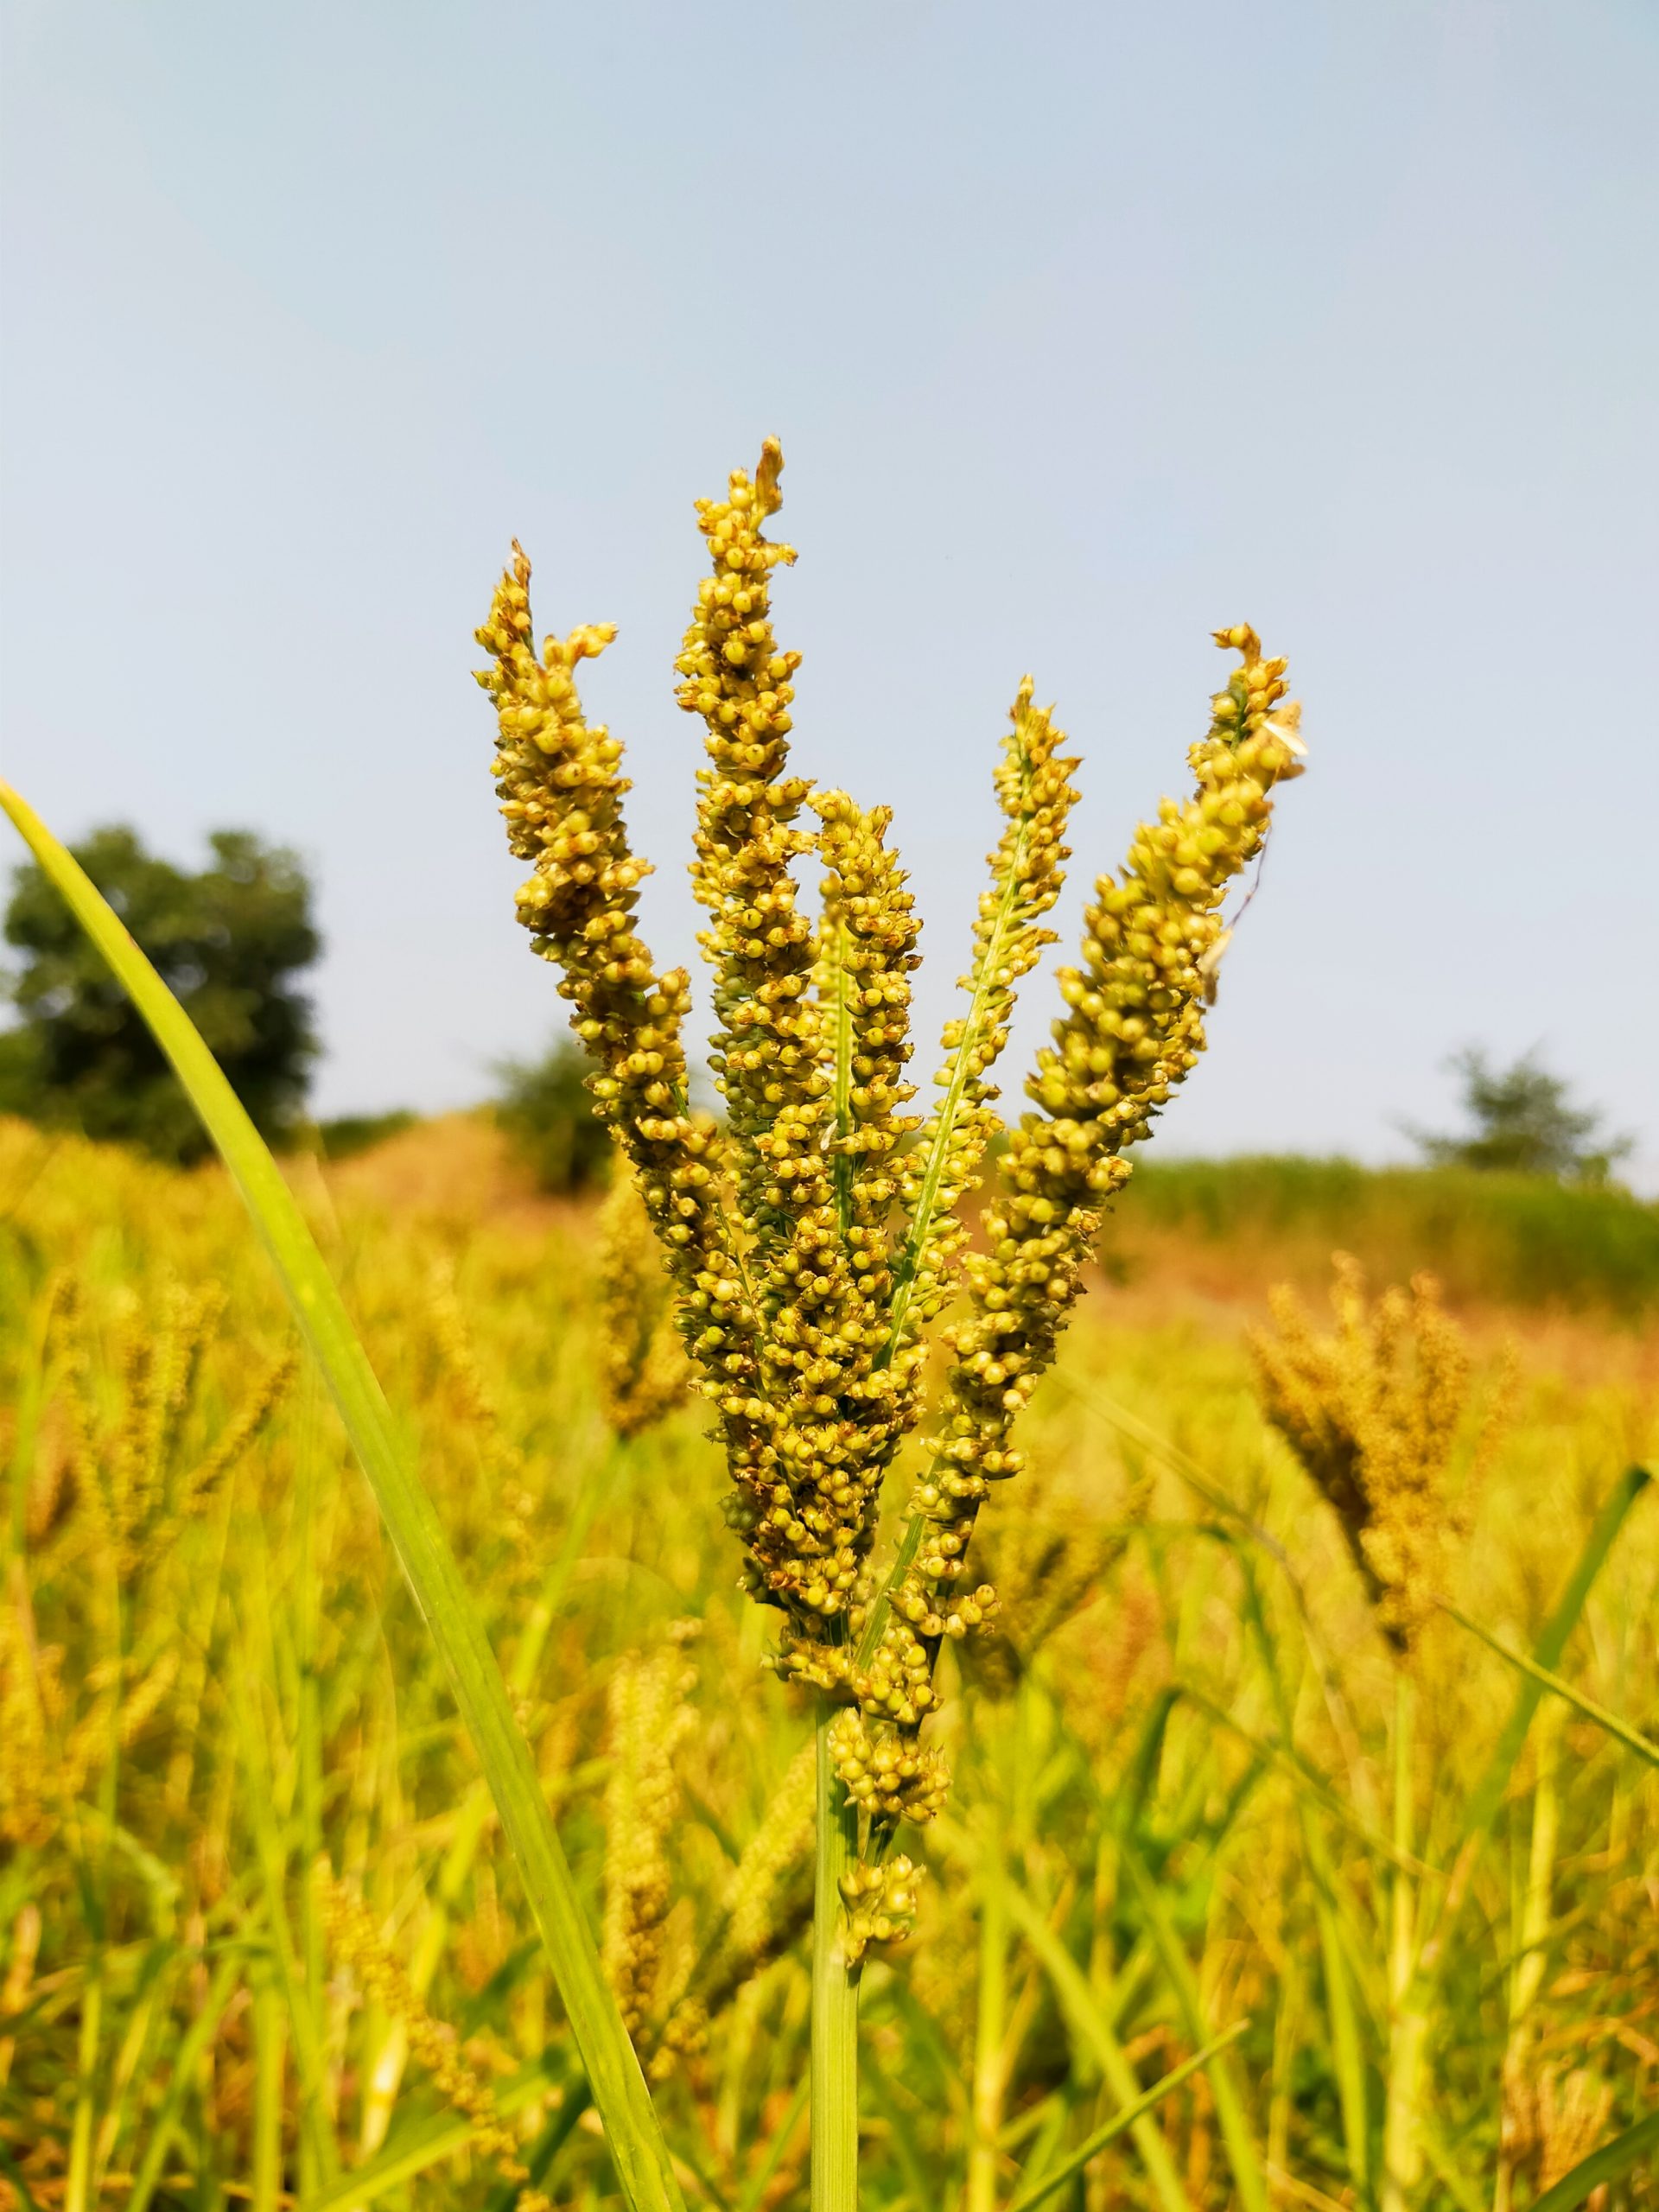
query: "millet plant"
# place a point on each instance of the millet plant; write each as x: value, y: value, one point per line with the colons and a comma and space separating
x: 1417, y: 2004
x: 815, y: 1233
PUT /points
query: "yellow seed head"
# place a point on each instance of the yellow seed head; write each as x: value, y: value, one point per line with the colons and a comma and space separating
x: 650, y: 1717
x: 813, y: 1237
x: 358, y: 1945
x: 1373, y: 1411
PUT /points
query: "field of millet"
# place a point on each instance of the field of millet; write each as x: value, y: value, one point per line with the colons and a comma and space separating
x: 260, y: 1942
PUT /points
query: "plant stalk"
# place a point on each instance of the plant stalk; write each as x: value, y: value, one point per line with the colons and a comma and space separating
x: 834, y: 1997
x: 271, y: 2059
x: 990, y: 2026
x: 1408, y: 2023
x: 1528, y: 1977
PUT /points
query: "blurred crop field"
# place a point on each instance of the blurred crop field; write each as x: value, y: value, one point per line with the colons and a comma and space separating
x: 260, y: 1942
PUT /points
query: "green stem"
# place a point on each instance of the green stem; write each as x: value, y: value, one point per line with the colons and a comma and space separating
x: 30, y: 1403
x: 269, y: 2064
x: 196, y: 2040
x: 1482, y: 1809
x: 1249, y: 2182
x: 1406, y: 2023
x: 1528, y: 1977
x: 310, y: 1754
x: 1346, y: 2052
x: 991, y: 2025
x: 835, y: 1997
x: 76, y: 2186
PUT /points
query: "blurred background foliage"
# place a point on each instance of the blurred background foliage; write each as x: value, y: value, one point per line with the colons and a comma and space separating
x: 232, y: 941
x: 544, y: 1107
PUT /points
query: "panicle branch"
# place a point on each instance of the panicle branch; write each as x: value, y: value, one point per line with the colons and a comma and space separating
x: 561, y: 792
x: 770, y: 1049
x: 357, y: 1943
x: 1133, y: 1030
x: 1027, y: 874
x: 797, y: 1505
x: 131, y: 1476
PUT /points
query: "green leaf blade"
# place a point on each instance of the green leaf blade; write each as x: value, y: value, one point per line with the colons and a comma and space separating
x: 618, y: 2087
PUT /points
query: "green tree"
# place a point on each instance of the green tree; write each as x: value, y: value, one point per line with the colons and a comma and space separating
x: 547, y: 1111
x: 1522, y: 1118
x: 229, y: 942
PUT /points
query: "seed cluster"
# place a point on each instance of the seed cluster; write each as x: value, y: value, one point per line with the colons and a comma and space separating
x: 557, y: 778
x: 357, y: 1943
x: 1026, y: 875
x: 650, y: 1715
x: 808, y: 1055
x: 1373, y: 1412
x: 808, y: 1504
x: 880, y: 1904
x: 1133, y: 1030
x: 814, y: 1236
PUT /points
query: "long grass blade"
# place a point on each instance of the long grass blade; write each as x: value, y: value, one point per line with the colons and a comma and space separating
x: 755, y: 2194
x: 195, y: 2042
x: 1612, y: 2160
x: 620, y: 2092
x: 422, y: 2147
x: 1547, y: 1652
x: 271, y: 1853
x: 1242, y: 2156
x: 1482, y: 1809
x: 1074, y: 2161
x: 1621, y: 1731
x: 835, y: 1996
x: 1090, y: 2027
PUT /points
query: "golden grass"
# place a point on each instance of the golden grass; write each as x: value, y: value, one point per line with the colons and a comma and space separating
x: 1125, y: 1873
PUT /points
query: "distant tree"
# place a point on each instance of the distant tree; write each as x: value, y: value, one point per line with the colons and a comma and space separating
x: 348, y: 1134
x: 230, y: 943
x: 547, y: 1111
x: 1523, y: 1119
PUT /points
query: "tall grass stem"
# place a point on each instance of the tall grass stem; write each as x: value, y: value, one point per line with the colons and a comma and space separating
x: 835, y: 1995
x: 1406, y: 2024
x: 990, y: 2024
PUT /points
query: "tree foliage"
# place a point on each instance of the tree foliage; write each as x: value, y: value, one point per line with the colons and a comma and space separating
x: 1523, y: 1119
x: 547, y: 1111
x: 230, y: 943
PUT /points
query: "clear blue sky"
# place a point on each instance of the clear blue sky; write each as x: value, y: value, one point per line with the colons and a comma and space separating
x: 1085, y: 326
